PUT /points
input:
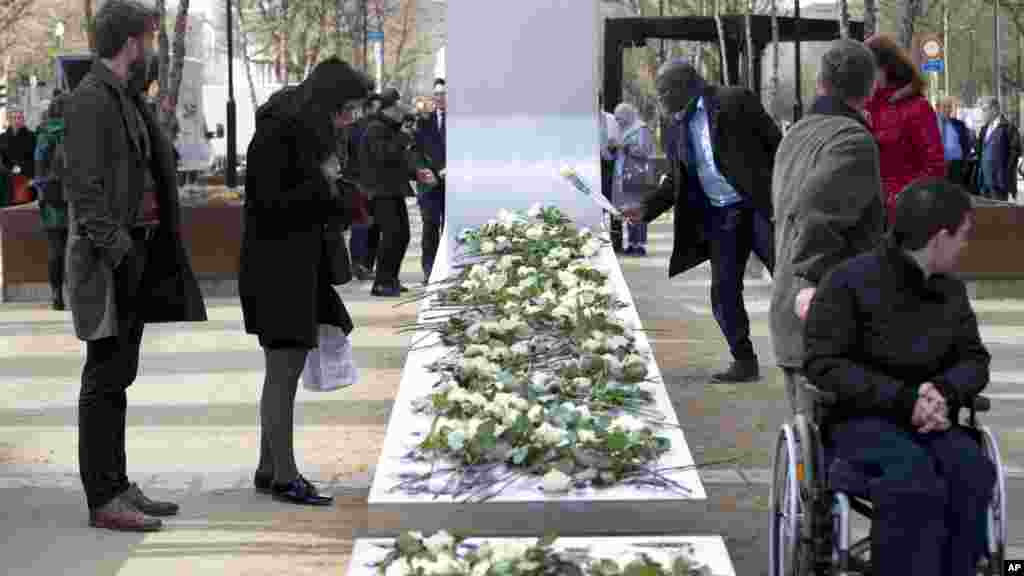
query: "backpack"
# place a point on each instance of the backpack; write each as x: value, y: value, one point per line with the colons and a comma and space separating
x: 54, y: 164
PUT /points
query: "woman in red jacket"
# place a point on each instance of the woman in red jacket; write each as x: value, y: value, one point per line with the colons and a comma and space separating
x: 903, y: 122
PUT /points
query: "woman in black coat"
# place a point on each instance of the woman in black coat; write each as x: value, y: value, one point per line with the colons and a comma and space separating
x: 290, y: 231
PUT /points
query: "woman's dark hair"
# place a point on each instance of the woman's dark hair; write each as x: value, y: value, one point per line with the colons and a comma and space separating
x: 926, y: 207
x: 56, y: 109
x: 896, y: 63
x: 325, y: 92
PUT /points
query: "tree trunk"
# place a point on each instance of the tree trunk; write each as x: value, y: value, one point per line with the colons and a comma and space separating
x: 773, y: 86
x: 870, y: 18
x: 698, y: 58
x: 243, y: 42
x: 283, y: 60
x: 844, y: 19
x: 169, y: 99
x: 403, y: 34
x: 90, y: 24
x: 750, y: 47
x: 909, y: 11
x: 165, y: 50
x: 723, y: 55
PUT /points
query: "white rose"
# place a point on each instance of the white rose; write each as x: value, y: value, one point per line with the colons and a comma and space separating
x: 399, y: 567
x: 581, y: 383
x: 535, y: 232
x: 586, y: 436
x: 591, y: 247
x: 510, y: 416
x: 549, y: 434
x: 584, y: 232
x: 568, y: 279
x: 476, y: 332
x: 614, y: 365
x: 508, y: 550
x: 627, y: 423
x: 583, y: 412
x: 496, y: 282
x: 488, y: 247
x: 439, y: 542
x: 476, y: 350
x: 520, y: 349
x: 555, y: 481
x: 480, y: 568
x: 616, y: 342
x: 591, y: 345
x: 534, y: 210
x: 535, y: 413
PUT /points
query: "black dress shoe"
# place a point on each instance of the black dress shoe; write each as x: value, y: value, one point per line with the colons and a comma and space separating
x: 403, y: 288
x: 739, y: 371
x: 300, y: 491
x: 262, y: 483
x: 386, y: 291
x: 134, y: 496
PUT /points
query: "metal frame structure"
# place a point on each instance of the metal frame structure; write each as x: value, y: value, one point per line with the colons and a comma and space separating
x: 621, y: 33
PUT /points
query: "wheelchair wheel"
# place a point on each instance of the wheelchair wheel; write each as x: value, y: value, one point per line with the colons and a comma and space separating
x: 997, y: 508
x: 787, y: 548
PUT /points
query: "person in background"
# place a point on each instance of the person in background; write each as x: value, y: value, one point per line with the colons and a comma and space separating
x: 633, y: 171
x: 431, y: 144
x: 827, y: 197
x: 998, y: 150
x: 286, y: 268
x: 49, y: 183
x: 956, y: 141
x: 17, y: 151
x: 903, y: 122
x: 387, y: 166
x: 721, y: 144
x: 365, y: 235
x: 610, y: 138
x: 892, y: 335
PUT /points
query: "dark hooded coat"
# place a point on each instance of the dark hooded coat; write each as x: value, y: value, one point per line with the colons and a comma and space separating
x: 290, y: 217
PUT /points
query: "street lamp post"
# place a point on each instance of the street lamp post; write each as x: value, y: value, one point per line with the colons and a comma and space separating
x: 231, y: 177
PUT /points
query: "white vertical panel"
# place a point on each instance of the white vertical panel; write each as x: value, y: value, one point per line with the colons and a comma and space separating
x: 522, y: 101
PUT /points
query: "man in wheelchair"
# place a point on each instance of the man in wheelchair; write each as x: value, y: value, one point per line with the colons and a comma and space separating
x: 892, y: 335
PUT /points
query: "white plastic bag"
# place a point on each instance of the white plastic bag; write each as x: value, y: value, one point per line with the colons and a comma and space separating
x: 330, y: 366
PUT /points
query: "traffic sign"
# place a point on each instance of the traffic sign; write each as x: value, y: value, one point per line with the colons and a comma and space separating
x: 375, y: 36
x: 933, y: 66
x: 931, y: 50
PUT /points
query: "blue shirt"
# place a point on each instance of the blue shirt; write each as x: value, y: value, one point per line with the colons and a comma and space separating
x: 716, y: 187
x: 950, y: 140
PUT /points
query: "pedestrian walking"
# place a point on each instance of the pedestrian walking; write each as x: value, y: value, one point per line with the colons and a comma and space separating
x: 633, y: 172
x: 125, y: 261
x: 388, y: 166
x: 721, y: 145
x: 50, y: 164
x: 827, y: 192
x: 286, y: 270
x: 431, y: 144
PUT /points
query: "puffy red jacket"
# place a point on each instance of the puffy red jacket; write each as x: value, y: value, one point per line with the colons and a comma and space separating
x: 909, y: 142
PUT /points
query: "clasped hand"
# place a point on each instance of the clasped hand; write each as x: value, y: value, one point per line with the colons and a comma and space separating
x: 931, y: 413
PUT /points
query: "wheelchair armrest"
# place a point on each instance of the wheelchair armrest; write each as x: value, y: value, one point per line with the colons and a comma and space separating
x: 818, y: 396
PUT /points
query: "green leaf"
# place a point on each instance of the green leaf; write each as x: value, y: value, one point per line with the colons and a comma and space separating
x: 408, y: 545
x: 617, y: 441
x: 518, y: 455
x: 547, y: 540
x: 639, y: 568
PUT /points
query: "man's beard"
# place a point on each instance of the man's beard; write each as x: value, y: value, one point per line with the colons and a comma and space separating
x: 138, y: 74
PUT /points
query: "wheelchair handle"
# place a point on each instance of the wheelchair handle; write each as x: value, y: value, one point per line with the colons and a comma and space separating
x: 982, y: 403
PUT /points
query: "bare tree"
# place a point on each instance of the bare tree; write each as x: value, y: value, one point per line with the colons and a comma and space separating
x: 243, y: 41
x: 773, y: 89
x: 724, y: 59
x: 870, y: 18
x: 699, y: 46
x: 844, y: 19
x: 909, y: 11
x: 90, y: 23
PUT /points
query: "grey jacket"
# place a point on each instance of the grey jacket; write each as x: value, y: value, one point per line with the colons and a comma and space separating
x: 106, y: 176
x: 827, y: 194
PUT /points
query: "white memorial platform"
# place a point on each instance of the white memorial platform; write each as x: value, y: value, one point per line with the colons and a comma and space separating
x: 709, y: 551
x: 521, y: 508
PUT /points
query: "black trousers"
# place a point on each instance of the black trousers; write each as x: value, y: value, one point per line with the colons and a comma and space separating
x: 57, y: 242
x: 431, y: 203
x: 929, y: 492
x: 111, y: 365
x: 734, y: 232
x: 392, y: 216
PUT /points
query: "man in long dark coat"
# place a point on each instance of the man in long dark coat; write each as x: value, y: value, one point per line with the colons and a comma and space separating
x: 721, y: 145
x: 126, y: 263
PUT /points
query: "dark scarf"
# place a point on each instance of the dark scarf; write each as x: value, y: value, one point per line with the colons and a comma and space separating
x: 832, y: 106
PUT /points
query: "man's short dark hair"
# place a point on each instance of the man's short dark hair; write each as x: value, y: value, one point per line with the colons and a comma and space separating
x: 119, y: 20
x: 439, y: 82
x: 848, y: 70
x: 926, y: 207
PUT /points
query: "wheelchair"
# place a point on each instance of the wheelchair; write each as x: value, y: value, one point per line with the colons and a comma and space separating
x: 811, y: 518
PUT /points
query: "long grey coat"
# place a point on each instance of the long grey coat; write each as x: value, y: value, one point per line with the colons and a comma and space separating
x: 105, y: 186
x: 827, y: 194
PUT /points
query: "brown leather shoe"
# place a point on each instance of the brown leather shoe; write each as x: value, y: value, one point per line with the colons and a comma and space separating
x: 120, y: 515
x: 136, y: 498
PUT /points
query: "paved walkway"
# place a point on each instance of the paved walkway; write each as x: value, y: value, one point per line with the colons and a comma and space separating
x: 193, y: 431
